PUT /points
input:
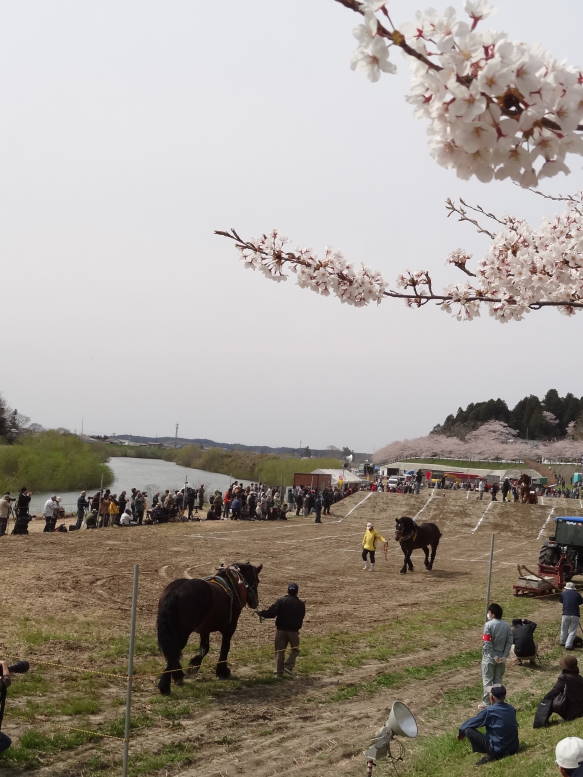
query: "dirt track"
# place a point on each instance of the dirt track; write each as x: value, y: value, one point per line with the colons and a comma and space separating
x: 72, y: 582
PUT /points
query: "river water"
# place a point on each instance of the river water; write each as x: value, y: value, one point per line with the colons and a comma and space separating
x: 148, y: 475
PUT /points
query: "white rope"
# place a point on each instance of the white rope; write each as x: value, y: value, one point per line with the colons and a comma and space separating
x: 433, y: 490
x: 477, y: 526
x: 543, y: 527
x: 362, y: 501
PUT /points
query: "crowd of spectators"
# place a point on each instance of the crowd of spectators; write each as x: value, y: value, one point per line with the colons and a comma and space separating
x: 135, y: 507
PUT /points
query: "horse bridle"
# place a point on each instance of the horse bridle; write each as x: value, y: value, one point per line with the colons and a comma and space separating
x: 248, y: 587
x: 411, y: 536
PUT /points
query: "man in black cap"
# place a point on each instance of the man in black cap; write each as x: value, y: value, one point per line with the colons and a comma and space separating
x: 289, y: 612
x: 499, y: 720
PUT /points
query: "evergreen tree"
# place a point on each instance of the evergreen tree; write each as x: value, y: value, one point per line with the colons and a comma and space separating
x: 3, y: 421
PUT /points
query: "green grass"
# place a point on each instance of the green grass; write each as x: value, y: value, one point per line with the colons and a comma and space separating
x: 384, y: 680
x: 39, y: 700
x: 26, y: 753
x: 160, y: 762
x: 444, y: 756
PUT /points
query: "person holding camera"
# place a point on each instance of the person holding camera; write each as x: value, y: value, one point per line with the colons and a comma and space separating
x: 22, y: 511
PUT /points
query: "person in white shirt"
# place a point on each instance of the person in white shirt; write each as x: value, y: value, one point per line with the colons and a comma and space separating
x: 50, y: 513
x: 5, y: 507
x: 126, y: 518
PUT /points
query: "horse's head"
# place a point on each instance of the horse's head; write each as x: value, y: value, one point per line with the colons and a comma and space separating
x: 250, y: 575
x: 405, y: 527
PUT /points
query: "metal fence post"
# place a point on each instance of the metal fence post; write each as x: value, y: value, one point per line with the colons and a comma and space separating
x: 131, y: 648
x: 490, y: 561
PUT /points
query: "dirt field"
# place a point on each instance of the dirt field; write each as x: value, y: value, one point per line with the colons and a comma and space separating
x: 368, y: 639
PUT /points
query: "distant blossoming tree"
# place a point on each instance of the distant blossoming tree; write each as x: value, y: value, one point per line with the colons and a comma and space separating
x: 492, y: 440
x: 495, y: 109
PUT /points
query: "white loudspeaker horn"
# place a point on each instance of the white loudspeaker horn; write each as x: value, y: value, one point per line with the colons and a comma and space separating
x: 401, y: 720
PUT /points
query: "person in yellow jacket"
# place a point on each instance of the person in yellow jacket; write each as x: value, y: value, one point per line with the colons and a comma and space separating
x: 369, y: 541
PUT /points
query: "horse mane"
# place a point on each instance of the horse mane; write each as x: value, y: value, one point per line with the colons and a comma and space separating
x: 407, y: 523
x: 246, y: 569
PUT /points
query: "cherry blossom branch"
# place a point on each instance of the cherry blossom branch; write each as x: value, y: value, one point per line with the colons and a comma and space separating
x: 501, y: 285
x: 394, y: 35
x: 575, y: 200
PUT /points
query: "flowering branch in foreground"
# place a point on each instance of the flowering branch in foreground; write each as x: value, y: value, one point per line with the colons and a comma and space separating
x: 523, y: 270
x: 496, y: 108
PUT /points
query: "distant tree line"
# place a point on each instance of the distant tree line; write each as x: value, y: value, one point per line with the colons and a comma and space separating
x: 552, y: 418
x: 11, y: 423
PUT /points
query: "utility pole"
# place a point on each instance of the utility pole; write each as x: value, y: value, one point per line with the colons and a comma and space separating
x: 176, y: 437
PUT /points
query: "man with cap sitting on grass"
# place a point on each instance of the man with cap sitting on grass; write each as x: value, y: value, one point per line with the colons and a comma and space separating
x: 289, y: 612
x: 499, y: 720
x: 569, y: 756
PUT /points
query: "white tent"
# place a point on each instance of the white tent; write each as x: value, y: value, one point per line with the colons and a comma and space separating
x: 339, y: 474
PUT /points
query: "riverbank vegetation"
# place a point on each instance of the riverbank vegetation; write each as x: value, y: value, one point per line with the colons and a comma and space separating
x: 245, y: 465
x: 58, y: 461
x: 258, y: 467
x: 53, y: 461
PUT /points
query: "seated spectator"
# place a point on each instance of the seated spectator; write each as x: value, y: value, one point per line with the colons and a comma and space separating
x: 499, y: 720
x: 565, y: 697
x: 126, y: 518
x: 523, y: 645
x: 569, y: 756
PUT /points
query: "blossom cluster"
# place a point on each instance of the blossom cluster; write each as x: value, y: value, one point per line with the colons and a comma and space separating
x: 525, y: 267
x: 496, y: 108
x: 326, y: 274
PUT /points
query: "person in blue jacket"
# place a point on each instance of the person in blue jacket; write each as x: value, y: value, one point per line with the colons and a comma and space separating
x: 499, y: 720
x: 571, y: 600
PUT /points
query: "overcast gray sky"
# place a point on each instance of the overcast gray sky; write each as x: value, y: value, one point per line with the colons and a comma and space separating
x: 133, y: 129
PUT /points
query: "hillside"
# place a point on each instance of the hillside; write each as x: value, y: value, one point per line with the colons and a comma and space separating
x: 235, y: 446
x: 551, y: 418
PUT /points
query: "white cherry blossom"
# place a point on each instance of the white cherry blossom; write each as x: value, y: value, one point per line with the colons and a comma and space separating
x: 480, y: 91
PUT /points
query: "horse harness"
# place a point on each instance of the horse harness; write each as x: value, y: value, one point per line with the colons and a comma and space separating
x: 232, y: 583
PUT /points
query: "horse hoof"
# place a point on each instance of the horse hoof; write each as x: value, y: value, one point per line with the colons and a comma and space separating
x: 223, y: 672
x: 403, y: 571
x: 164, y: 688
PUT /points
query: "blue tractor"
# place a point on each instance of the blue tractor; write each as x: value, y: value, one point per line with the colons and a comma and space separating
x: 562, y: 554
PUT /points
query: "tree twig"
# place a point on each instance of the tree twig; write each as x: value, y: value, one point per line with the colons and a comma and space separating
x: 452, y: 208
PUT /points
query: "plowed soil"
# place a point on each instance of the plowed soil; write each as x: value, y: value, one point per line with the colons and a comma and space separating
x: 66, y: 599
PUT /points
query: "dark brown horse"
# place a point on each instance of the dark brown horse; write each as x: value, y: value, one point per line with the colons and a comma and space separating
x: 212, y: 604
x: 524, y: 488
x: 411, y: 535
